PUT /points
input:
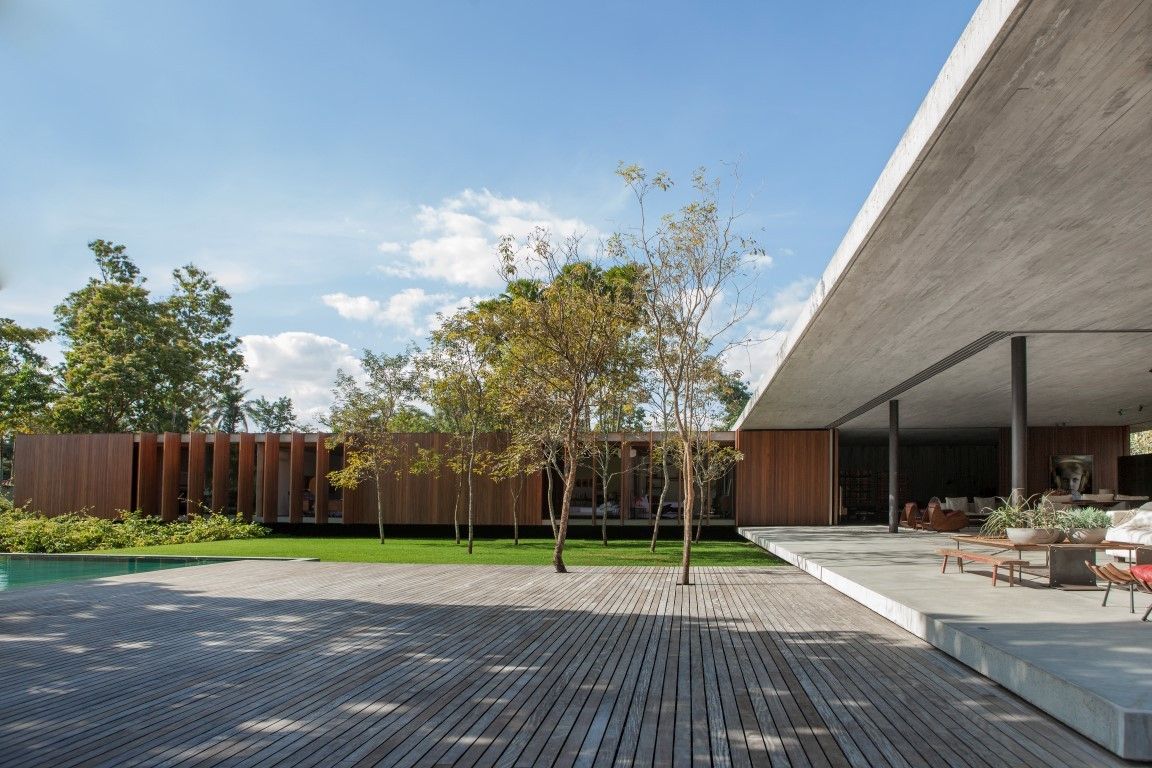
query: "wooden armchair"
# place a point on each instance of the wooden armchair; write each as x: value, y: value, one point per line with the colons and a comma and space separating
x: 910, y: 517
x: 944, y: 520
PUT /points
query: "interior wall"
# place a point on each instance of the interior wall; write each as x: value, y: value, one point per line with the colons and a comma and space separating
x: 925, y: 471
x: 1104, y: 444
x: 784, y: 477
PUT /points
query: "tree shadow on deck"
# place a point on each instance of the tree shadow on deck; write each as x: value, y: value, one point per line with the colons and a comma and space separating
x: 112, y: 673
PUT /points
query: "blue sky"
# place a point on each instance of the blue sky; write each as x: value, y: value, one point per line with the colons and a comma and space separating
x: 345, y: 167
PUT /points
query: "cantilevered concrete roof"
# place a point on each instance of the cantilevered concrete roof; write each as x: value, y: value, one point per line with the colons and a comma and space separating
x: 1019, y: 201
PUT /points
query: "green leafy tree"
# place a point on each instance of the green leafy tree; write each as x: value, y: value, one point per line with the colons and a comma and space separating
x: 565, y: 322
x: 364, y: 419
x: 697, y: 272
x: 459, y: 361
x: 733, y: 393
x: 135, y: 363
x: 26, y: 386
x: 1141, y: 442
x: 277, y: 415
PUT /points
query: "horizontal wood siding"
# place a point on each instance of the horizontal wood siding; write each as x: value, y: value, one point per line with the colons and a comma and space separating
x: 784, y: 477
x: 58, y: 474
x: 1104, y: 444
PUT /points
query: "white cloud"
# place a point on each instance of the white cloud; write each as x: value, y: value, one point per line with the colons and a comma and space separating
x: 297, y: 364
x: 459, y: 237
x: 788, y: 302
x: 390, y: 247
x: 412, y: 309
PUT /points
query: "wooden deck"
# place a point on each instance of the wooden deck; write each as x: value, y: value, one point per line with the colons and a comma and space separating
x: 322, y: 664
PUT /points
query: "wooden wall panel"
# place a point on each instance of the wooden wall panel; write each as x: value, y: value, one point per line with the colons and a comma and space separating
x: 784, y: 477
x: 170, y: 477
x: 1105, y: 444
x: 196, y: 460
x: 427, y: 499
x: 320, y: 485
x: 296, y: 478
x: 148, y: 474
x: 246, y: 477
x: 58, y: 474
x: 270, y: 490
x: 221, y: 466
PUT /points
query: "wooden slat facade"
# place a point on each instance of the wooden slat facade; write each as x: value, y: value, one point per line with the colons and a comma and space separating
x: 246, y: 477
x: 147, y: 475
x: 296, y: 478
x: 197, y: 448
x: 1104, y: 444
x: 170, y: 477
x: 785, y: 477
x: 58, y: 474
x: 221, y: 466
x: 270, y: 487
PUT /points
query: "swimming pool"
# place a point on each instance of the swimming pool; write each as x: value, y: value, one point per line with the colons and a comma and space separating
x: 29, y: 570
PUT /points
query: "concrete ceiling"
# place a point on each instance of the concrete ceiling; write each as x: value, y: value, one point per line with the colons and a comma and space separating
x: 1018, y: 201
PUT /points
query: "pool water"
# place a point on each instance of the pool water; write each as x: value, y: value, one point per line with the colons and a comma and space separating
x: 30, y: 570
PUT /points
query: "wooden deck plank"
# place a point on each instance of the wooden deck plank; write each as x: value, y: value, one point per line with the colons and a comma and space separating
x: 293, y: 664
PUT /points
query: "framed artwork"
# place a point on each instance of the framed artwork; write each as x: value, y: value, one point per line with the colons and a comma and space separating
x: 1072, y: 473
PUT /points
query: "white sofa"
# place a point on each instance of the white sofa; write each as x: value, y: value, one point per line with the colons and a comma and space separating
x: 1132, y: 526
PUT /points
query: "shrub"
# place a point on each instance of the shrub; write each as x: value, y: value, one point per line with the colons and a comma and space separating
x: 22, y: 530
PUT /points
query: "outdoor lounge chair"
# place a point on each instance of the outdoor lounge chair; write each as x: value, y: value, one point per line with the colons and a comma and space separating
x: 944, y: 520
x: 1113, y: 575
x: 910, y: 517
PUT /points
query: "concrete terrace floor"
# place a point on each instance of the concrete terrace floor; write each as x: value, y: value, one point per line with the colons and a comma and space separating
x: 1089, y: 666
x: 308, y: 664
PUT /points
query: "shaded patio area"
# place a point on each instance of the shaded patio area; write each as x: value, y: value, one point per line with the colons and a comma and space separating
x: 1089, y: 666
x: 306, y: 664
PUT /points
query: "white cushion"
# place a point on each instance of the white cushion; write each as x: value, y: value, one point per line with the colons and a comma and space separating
x: 985, y: 502
x: 1141, y: 520
x: 1121, y: 516
x: 956, y: 502
x: 1129, y: 535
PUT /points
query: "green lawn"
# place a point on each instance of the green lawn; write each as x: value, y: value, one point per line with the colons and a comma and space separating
x: 486, y: 552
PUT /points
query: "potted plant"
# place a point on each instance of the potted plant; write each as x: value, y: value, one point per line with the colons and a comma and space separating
x: 1087, y: 525
x: 1021, y: 523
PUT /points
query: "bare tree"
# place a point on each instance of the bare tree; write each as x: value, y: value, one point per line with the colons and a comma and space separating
x: 698, y: 281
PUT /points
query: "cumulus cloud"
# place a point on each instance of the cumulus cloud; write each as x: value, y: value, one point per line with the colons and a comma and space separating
x: 300, y: 365
x: 390, y: 247
x: 412, y: 309
x: 788, y: 302
x: 458, y: 237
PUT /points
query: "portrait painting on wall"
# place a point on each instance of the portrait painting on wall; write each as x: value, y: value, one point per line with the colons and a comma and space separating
x: 1072, y: 473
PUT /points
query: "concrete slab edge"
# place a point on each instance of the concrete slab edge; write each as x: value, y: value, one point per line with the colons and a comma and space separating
x: 1123, y: 731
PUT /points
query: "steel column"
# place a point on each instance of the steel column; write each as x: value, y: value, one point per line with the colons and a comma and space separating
x: 893, y: 466
x: 1019, y: 417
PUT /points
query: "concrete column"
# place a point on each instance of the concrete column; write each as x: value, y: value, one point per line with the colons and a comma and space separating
x: 893, y: 466
x: 1019, y: 417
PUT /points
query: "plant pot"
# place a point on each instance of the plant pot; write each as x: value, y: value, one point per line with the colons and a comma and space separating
x: 1086, y: 535
x: 1033, y: 535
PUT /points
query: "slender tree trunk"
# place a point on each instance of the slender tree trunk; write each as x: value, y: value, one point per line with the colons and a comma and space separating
x: 471, y: 474
x: 565, y: 510
x: 456, y: 507
x: 663, y: 496
x: 604, y: 517
x: 379, y: 505
x: 594, y: 509
x: 705, y: 509
x: 687, y: 482
x: 515, y: 514
x: 552, y: 499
